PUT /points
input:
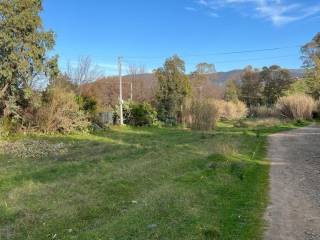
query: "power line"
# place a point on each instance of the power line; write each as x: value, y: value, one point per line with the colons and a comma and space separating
x: 218, y: 53
x: 204, y: 54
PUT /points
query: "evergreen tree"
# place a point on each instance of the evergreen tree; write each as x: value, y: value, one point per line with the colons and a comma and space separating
x: 251, y: 87
x: 311, y: 62
x: 276, y: 81
x: 173, y: 88
x: 232, y: 91
x: 23, y: 48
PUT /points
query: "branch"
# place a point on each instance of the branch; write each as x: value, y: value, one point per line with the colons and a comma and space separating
x: 4, y: 90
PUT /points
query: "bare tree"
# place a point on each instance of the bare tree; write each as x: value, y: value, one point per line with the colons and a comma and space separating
x: 84, y: 72
x: 136, y: 83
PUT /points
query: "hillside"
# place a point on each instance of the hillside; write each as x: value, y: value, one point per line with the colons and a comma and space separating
x: 221, y: 78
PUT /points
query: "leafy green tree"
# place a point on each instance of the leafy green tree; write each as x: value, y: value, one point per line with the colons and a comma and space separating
x: 297, y: 87
x: 311, y: 62
x: 251, y: 87
x: 23, y: 48
x: 276, y: 81
x: 173, y: 88
x: 232, y: 91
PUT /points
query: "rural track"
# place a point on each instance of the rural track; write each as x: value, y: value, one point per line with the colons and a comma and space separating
x: 294, y: 210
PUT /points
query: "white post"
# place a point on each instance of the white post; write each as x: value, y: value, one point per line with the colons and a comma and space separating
x: 131, y: 91
x: 120, y: 91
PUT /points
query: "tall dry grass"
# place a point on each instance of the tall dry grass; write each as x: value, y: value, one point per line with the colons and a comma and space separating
x: 231, y: 110
x: 297, y: 107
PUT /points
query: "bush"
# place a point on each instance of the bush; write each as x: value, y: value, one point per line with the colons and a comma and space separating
x: 316, y: 113
x: 296, y: 107
x: 137, y: 114
x: 87, y: 104
x: 202, y: 115
x: 264, y: 112
x: 231, y: 110
x: 59, y: 112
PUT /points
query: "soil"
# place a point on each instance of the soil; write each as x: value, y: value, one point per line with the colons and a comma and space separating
x: 294, y: 210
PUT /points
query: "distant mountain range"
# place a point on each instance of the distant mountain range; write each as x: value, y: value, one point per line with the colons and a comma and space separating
x: 220, y: 79
x: 223, y: 77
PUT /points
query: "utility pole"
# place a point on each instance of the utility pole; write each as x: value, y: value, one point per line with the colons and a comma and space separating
x: 131, y: 91
x: 120, y: 89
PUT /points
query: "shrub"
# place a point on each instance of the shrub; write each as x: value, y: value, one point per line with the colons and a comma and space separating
x: 7, y: 126
x: 87, y: 104
x: 202, y: 115
x: 316, y: 113
x: 264, y: 112
x: 60, y: 112
x: 297, y: 107
x: 231, y: 110
x: 137, y: 114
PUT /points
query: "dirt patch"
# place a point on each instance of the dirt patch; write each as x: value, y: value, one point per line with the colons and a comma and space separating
x: 294, y: 211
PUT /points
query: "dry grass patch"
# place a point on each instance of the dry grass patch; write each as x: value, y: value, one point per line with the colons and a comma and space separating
x: 34, y: 149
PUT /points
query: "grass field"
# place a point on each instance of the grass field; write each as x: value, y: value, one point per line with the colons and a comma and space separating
x: 137, y: 183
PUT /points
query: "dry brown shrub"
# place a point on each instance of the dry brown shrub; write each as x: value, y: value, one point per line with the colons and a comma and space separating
x: 202, y: 115
x: 297, y: 107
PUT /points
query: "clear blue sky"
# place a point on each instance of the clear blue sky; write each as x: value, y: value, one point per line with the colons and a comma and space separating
x: 147, y: 31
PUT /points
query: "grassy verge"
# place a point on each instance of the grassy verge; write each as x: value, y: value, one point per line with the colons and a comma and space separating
x: 138, y: 183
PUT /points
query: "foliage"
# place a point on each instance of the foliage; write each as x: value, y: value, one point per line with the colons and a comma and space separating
x: 231, y: 110
x: 298, y: 87
x: 265, y: 86
x: 232, y: 91
x: 203, y: 115
x: 137, y: 114
x: 311, y: 58
x: 297, y: 107
x: 60, y: 112
x: 276, y: 81
x: 264, y: 112
x: 251, y: 87
x: 173, y: 88
x: 23, y: 48
x: 87, y: 104
x: 316, y: 113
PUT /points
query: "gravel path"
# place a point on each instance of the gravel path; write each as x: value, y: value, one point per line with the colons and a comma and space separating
x: 294, y: 212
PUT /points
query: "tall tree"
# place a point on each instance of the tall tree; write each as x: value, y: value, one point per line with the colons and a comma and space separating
x: 251, y: 87
x: 173, y: 88
x: 205, y: 68
x: 201, y: 81
x: 311, y: 62
x: 23, y: 48
x: 276, y: 81
x: 232, y: 91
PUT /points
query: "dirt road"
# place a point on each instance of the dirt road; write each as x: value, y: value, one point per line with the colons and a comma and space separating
x: 294, y: 211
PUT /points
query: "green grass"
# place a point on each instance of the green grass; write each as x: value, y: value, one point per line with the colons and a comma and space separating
x: 140, y: 183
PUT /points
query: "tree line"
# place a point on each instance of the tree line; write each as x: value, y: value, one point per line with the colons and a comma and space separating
x: 70, y: 100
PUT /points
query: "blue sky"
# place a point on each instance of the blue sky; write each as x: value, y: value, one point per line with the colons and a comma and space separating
x: 145, y: 32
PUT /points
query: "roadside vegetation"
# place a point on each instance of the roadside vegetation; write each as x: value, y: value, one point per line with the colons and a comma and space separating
x: 188, y: 164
